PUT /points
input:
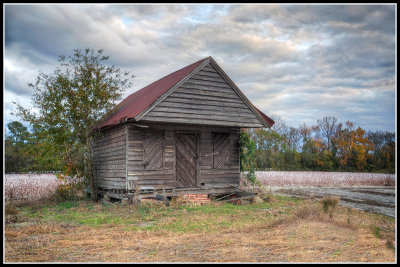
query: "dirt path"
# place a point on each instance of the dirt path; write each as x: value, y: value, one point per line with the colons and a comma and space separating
x: 377, y: 199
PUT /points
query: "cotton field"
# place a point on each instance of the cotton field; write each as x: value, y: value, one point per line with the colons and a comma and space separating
x: 29, y: 186
x: 36, y: 186
x: 302, y: 178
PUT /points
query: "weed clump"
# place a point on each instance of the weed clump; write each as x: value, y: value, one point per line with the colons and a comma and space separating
x: 390, y: 244
x: 329, y: 204
x: 349, y: 211
x: 177, y: 202
x: 308, y: 211
x: 376, y: 231
x: 10, y: 211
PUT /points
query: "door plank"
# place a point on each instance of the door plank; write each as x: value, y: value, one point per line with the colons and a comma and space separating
x: 186, y: 160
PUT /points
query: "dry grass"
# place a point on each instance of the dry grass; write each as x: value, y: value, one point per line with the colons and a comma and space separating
x: 283, y: 230
x: 329, y: 204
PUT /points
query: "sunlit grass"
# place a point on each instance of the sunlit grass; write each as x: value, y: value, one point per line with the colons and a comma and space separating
x: 206, y: 218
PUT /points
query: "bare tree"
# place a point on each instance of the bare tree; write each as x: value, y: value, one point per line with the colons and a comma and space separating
x: 279, y: 126
x: 328, y: 127
x: 293, y: 137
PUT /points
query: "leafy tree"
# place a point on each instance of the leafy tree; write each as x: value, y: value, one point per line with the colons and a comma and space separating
x: 247, y: 148
x: 360, y: 149
x: 353, y: 147
x: 70, y: 101
x: 18, y: 133
x: 268, y: 152
x: 309, y: 155
x: 308, y: 150
x: 16, y: 152
x: 44, y: 152
x: 384, y: 153
x: 343, y: 141
x: 9, y: 156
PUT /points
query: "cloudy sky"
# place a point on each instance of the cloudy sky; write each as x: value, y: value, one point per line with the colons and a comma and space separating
x: 300, y: 62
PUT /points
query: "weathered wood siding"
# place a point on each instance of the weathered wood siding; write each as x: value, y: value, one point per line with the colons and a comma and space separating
x: 110, y: 158
x: 164, y: 175
x: 225, y: 173
x: 187, y: 163
x: 205, y: 99
x: 207, y: 175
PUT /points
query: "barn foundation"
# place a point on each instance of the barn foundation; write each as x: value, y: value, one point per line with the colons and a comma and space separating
x: 195, y: 196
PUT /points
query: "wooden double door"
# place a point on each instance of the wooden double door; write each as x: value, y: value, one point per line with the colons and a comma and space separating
x: 187, y: 151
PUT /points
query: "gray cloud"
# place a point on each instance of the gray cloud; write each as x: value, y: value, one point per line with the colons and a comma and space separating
x: 301, y: 62
x: 14, y: 82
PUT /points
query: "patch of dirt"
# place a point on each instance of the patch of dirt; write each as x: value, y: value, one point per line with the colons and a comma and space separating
x: 377, y: 199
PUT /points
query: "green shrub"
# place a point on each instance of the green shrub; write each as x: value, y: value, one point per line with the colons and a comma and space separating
x: 377, y: 231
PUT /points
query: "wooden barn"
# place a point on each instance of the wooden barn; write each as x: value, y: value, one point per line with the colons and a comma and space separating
x: 179, y: 134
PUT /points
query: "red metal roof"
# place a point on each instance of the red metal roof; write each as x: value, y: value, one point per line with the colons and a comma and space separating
x: 265, y: 117
x: 137, y: 102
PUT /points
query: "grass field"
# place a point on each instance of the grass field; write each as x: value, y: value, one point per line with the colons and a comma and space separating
x: 280, y: 230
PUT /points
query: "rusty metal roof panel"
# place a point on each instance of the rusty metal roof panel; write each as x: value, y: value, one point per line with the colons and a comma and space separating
x: 265, y: 117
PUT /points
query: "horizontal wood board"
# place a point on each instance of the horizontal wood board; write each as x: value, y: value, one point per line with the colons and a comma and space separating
x: 109, y: 148
x: 206, y: 99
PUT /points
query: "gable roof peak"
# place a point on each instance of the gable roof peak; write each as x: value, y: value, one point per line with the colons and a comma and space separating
x: 140, y: 102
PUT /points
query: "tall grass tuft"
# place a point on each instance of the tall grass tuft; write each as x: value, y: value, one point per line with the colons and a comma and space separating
x: 308, y: 211
x: 177, y: 202
x: 10, y: 212
x: 329, y: 204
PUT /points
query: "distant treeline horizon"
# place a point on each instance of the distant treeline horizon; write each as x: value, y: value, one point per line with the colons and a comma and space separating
x: 328, y: 145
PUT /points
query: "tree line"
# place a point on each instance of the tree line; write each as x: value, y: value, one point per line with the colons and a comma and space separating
x: 329, y: 145
x: 30, y: 151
